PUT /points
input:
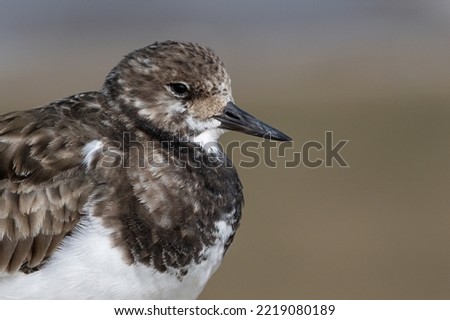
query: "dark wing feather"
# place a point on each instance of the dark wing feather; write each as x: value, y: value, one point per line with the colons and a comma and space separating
x: 42, y: 183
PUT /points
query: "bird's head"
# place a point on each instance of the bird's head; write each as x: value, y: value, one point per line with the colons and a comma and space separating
x: 182, y: 91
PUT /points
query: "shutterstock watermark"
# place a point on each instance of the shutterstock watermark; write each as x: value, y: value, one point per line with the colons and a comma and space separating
x: 248, y: 154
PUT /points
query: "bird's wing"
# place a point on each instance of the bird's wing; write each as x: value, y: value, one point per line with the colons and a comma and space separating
x: 42, y: 185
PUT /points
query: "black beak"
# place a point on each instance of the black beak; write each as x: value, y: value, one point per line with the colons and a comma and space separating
x: 234, y: 118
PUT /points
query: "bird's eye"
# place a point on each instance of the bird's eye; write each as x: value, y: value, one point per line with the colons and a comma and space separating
x: 179, y: 89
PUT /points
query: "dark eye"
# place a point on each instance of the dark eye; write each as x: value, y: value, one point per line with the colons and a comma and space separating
x: 179, y: 89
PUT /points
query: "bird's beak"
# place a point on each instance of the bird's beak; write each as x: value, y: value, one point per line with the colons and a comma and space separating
x: 234, y: 118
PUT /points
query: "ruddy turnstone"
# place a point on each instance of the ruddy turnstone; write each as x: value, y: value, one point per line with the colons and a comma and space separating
x: 123, y: 193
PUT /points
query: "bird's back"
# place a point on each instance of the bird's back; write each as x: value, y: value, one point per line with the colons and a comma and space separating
x: 42, y: 184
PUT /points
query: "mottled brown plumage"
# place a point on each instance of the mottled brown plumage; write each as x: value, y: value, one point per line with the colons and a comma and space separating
x: 45, y: 185
x: 134, y: 158
x: 42, y: 184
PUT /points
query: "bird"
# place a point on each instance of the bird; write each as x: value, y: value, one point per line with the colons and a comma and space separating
x: 125, y: 192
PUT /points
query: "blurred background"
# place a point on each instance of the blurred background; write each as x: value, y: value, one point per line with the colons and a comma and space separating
x: 375, y: 72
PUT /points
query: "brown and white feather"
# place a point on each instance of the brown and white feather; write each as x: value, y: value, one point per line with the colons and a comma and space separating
x: 43, y: 186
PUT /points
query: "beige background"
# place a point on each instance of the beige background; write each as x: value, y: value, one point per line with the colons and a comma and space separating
x: 374, y: 72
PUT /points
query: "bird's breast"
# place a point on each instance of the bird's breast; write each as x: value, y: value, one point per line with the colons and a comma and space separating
x: 177, y: 217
